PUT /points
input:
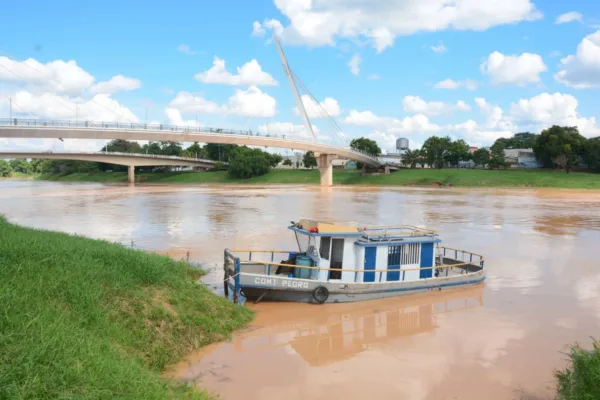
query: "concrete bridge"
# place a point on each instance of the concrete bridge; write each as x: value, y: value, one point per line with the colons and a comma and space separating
x: 131, y: 160
x: 49, y: 129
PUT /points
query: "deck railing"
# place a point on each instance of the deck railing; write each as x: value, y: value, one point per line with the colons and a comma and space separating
x: 475, y: 260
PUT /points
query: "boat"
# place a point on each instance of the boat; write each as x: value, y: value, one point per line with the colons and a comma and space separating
x: 337, y: 263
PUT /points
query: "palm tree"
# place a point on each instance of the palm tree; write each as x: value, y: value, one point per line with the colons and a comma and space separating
x: 412, y: 158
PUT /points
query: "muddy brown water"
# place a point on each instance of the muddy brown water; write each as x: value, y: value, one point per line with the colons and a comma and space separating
x: 498, y: 340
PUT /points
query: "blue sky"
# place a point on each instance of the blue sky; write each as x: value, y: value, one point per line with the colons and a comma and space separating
x: 508, y: 59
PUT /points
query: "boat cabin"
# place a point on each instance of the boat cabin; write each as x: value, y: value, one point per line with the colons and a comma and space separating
x: 348, y: 254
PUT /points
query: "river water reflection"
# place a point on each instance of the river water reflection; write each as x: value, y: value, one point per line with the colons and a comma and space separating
x: 494, y: 341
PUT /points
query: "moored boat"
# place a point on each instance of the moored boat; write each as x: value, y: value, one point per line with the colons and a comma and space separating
x: 342, y: 263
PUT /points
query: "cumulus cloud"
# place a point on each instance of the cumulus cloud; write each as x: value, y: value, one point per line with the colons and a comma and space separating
x: 251, y: 102
x: 250, y: 73
x: 354, y: 64
x: 582, y: 70
x: 56, y: 76
x: 184, y: 48
x: 115, y: 84
x: 517, y: 70
x: 288, y: 129
x: 314, y: 110
x: 440, y: 48
x: 452, y: 84
x: 414, y: 124
x: 416, y: 105
x: 572, y: 16
x: 320, y: 22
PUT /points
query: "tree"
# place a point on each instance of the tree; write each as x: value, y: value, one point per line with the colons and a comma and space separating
x: 287, y: 162
x: 171, y: 148
x: 36, y: 165
x: 560, y: 146
x: 458, y: 150
x: 152, y: 148
x: 219, y: 152
x: 20, y: 165
x: 5, y: 169
x: 523, y: 140
x: 309, y: 159
x: 481, y: 157
x: 591, y: 154
x: 411, y: 158
x: 497, y: 159
x: 122, y: 146
x: 195, y: 151
x: 275, y: 159
x: 436, y: 149
x: 366, y: 145
x: 245, y: 162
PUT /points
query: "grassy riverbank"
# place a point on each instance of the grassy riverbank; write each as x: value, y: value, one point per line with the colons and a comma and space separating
x: 89, y: 319
x: 405, y: 177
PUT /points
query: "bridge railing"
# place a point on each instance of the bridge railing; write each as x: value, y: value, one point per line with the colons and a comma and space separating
x: 112, y: 153
x: 151, y: 127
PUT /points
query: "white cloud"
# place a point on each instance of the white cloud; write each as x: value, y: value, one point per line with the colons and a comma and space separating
x: 252, y: 103
x: 314, y: 110
x: 175, y: 118
x: 288, y: 129
x: 257, y: 29
x: 248, y: 103
x: 184, y: 48
x: 452, y: 84
x: 373, y: 77
x: 545, y: 110
x: 555, y: 53
x: 99, y: 108
x: 582, y: 70
x: 115, y: 84
x: 517, y: 70
x: 320, y: 22
x: 416, y: 105
x: 414, y: 124
x: 440, y: 48
x: 56, y: 76
x: 250, y: 73
x: 569, y: 17
x: 354, y: 63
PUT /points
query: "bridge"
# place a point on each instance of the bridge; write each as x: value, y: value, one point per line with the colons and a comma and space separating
x: 53, y: 129
x: 131, y: 160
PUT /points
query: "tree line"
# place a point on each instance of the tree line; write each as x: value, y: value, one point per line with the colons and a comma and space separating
x: 561, y: 147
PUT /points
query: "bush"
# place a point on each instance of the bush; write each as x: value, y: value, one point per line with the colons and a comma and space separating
x: 5, y: 169
x: 245, y: 162
x: 581, y: 379
x: 219, y: 166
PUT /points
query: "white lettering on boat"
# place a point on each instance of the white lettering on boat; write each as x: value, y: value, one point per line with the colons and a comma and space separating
x: 281, y: 282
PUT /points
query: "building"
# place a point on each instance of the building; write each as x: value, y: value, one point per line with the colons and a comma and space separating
x: 521, y: 158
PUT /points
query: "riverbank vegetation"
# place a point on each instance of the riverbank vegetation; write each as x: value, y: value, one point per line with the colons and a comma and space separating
x: 91, y: 319
x: 459, y: 177
x: 580, y: 380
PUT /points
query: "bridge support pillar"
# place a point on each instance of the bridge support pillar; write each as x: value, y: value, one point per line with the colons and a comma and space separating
x: 131, y: 174
x: 326, y: 168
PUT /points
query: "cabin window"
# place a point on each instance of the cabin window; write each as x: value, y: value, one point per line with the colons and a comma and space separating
x: 325, y: 247
x: 337, y: 258
x: 405, y: 254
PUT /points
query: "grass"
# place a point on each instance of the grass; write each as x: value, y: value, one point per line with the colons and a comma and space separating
x: 405, y: 177
x: 580, y: 380
x: 90, y: 319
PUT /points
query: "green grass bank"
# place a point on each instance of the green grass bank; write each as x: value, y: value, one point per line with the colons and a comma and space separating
x: 89, y: 319
x: 405, y: 177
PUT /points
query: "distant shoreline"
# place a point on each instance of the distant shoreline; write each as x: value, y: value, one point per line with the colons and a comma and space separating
x: 512, y: 178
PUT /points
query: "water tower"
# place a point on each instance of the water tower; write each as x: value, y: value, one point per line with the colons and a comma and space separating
x: 401, y: 145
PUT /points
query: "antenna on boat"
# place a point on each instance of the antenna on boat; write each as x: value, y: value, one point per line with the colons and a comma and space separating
x: 292, y: 81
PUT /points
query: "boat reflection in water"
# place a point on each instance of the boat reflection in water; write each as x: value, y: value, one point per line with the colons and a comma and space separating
x: 273, y: 357
x: 343, y: 330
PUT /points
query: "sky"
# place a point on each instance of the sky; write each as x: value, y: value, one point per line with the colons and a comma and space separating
x: 383, y: 69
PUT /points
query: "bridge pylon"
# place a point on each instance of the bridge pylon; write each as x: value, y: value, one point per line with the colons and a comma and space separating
x: 324, y: 161
x: 131, y: 173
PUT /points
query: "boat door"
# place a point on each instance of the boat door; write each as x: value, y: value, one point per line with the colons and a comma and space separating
x: 426, y: 260
x: 370, y: 258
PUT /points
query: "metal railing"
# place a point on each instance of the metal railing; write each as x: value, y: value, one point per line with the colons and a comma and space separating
x: 156, y: 128
x: 110, y: 153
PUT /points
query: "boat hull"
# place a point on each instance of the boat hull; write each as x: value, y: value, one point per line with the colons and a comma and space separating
x: 277, y: 288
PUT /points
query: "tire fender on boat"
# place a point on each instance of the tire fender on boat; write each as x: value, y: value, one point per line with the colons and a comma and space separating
x: 320, y: 294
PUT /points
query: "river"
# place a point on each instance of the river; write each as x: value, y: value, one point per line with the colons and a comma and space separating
x: 499, y: 340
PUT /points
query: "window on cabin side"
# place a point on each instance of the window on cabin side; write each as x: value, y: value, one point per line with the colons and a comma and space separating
x: 325, y: 247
